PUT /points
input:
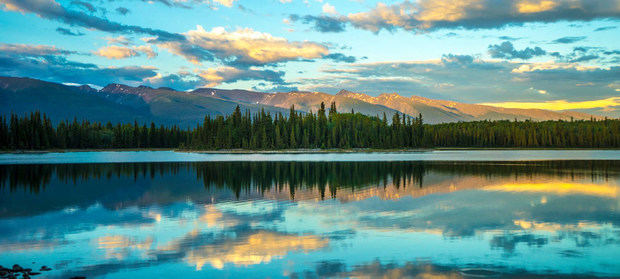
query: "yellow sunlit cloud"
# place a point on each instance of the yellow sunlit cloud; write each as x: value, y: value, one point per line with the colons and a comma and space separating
x: 533, y: 6
x: 559, y: 104
x: 447, y: 10
x: 120, y: 52
x: 116, y: 52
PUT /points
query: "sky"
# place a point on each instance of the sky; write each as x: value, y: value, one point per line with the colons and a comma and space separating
x: 550, y: 54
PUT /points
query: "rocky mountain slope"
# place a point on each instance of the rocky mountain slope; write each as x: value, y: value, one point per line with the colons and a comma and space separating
x: 449, y: 111
x: 122, y: 103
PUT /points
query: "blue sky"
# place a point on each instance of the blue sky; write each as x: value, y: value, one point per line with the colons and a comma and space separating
x: 554, y: 54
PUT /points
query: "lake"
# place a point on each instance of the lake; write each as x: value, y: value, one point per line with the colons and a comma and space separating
x: 423, y: 155
x: 502, y: 213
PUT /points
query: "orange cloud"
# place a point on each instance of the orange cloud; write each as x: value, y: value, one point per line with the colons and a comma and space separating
x: 428, y: 14
x: 116, y: 52
x: 535, y: 6
x: 120, y: 52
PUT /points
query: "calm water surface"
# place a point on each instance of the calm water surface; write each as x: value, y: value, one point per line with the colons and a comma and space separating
x: 312, y: 219
x: 431, y: 155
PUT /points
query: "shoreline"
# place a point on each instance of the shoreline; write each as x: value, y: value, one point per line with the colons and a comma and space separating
x: 292, y: 151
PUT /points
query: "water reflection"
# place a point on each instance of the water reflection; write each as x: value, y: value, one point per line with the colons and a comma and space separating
x: 313, y: 219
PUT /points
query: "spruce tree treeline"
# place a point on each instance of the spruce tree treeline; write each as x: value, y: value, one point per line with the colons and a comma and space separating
x: 324, y: 129
x: 35, y: 132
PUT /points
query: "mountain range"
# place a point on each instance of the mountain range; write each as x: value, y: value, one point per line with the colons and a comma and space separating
x: 122, y: 103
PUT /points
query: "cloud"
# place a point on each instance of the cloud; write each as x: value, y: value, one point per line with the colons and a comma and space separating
x: 227, y: 3
x: 584, y: 58
x: 52, y: 10
x: 597, y: 55
x: 178, y: 81
x: 120, y: 52
x: 269, y: 80
x: 225, y: 74
x: 605, y: 28
x: 560, y: 104
x: 33, y: 50
x: 68, y: 32
x: 243, y: 47
x: 191, y: 52
x: 122, y: 10
x: 507, y: 50
x: 50, y: 63
x: 147, y: 50
x: 189, y: 4
x: 329, y: 9
x: 452, y: 59
x: 262, y: 87
x: 116, y: 52
x: 245, y: 9
x: 118, y: 40
x: 568, y: 40
x: 84, y: 5
x: 339, y: 57
x: 324, y: 24
x: 425, y: 15
x: 170, y: 3
x: 469, y: 79
x: 551, y: 66
x: 508, y: 38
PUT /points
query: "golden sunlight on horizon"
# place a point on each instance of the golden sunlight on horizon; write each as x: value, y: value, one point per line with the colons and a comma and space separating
x: 559, y: 104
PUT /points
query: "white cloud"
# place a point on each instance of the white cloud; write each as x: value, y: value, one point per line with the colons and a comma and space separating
x: 472, y: 80
x: 545, y: 66
x: 24, y: 49
x: 118, y: 40
x: 243, y: 46
x: 472, y: 14
x: 329, y: 9
x: 148, y: 50
x: 227, y: 3
x: 216, y: 76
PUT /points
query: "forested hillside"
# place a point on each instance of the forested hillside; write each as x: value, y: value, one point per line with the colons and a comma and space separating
x: 325, y: 129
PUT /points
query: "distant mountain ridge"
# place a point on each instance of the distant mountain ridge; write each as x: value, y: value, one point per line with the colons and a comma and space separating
x: 452, y: 111
x: 123, y: 103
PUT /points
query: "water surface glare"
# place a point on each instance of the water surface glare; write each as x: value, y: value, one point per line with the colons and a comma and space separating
x: 313, y: 219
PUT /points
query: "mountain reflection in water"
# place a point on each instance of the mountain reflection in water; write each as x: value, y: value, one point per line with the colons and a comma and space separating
x: 313, y: 219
